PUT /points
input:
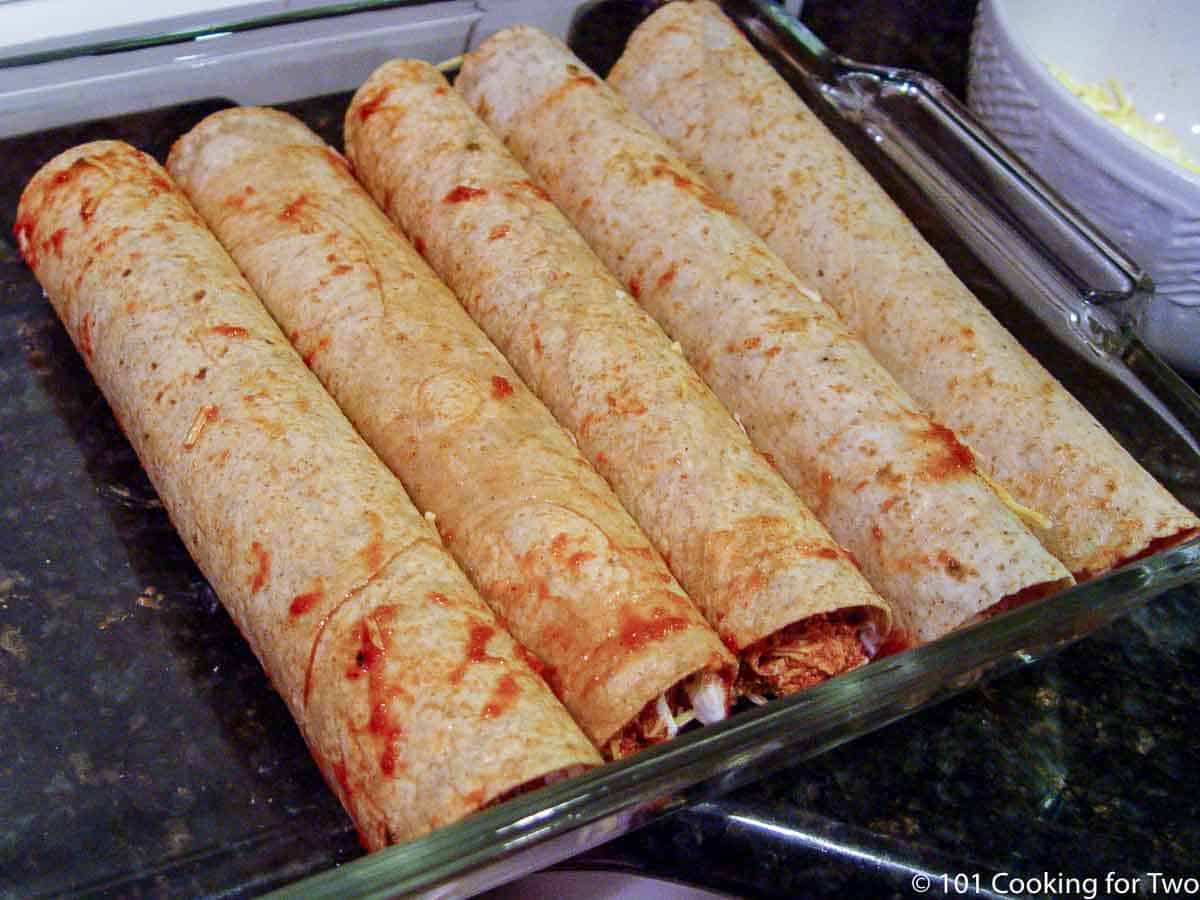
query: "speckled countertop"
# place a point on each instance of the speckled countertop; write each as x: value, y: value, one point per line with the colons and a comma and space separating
x: 131, y: 712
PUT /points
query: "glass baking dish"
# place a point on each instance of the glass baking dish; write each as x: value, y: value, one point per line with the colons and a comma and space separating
x: 148, y: 754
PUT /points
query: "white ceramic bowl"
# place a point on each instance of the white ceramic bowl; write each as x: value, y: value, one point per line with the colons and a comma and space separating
x: 1142, y: 201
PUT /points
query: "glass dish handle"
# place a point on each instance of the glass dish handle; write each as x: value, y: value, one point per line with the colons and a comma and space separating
x: 970, y: 175
x: 1066, y: 273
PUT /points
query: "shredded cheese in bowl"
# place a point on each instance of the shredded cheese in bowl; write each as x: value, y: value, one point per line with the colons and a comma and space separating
x: 1111, y: 102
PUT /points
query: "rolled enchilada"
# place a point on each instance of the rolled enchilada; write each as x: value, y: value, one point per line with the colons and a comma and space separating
x: 780, y: 592
x: 416, y: 704
x: 898, y: 489
x: 538, y: 530
x: 696, y: 79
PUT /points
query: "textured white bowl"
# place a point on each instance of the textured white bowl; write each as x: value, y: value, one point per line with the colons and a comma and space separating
x: 1143, y: 202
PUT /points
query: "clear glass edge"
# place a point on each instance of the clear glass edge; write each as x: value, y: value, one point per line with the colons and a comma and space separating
x: 202, y: 32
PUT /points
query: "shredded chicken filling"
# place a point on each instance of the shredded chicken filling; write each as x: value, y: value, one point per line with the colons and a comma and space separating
x: 807, y: 653
x: 703, y: 697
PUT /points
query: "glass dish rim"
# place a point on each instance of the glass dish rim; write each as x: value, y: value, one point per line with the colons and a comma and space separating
x: 204, y: 32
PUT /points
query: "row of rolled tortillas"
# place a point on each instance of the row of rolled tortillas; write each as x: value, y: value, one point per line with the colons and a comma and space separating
x: 594, y: 596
